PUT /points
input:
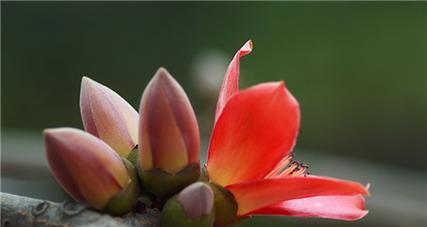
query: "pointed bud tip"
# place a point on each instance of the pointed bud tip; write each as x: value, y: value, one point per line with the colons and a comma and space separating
x: 162, y: 70
x: 196, y: 199
x: 48, y: 135
x: 161, y: 78
x: 47, y: 131
x: 162, y: 74
x: 53, y: 132
x: 85, y: 87
x: 86, y: 80
x: 88, y: 84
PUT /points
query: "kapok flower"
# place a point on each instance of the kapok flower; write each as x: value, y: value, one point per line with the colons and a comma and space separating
x: 250, y: 163
x: 108, y: 116
x: 168, y: 136
x: 90, y: 171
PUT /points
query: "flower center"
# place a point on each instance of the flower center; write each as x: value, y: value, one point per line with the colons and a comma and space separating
x: 289, y: 167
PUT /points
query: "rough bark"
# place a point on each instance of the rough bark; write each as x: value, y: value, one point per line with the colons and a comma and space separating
x: 24, y: 211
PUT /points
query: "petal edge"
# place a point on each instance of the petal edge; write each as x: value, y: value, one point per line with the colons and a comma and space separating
x: 230, y: 85
x: 251, y: 196
x: 347, y: 208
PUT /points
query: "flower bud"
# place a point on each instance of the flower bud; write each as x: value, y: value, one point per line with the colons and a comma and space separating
x: 90, y: 171
x: 108, y: 116
x: 193, y: 206
x: 168, y: 137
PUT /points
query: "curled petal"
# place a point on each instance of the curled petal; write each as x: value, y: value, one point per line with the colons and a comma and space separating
x: 108, y: 116
x: 256, y: 130
x: 168, y: 133
x: 230, y: 85
x: 86, y: 167
x: 251, y: 196
x: 334, y: 207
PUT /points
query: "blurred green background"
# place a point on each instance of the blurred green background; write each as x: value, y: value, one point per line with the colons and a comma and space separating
x: 359, y: 71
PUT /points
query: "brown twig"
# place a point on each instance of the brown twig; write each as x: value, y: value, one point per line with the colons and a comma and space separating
x: 24, y: 211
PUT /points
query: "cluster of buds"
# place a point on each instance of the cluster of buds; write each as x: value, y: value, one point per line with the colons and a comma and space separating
x: 250, y: 170
x: 119, y: 154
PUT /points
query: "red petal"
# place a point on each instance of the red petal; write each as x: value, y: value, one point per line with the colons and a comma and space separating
x: 256, y: 130
x: 230, y: 85
x: 251, y: 196
x: 334, y: 207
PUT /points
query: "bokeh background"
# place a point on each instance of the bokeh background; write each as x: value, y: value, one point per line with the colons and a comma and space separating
x: 359, y: 71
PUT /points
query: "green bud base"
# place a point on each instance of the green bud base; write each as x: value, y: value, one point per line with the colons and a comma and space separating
x: 133, y: 156
x: 163, y: 184
x: 173, y: 215
x: 125, y: 201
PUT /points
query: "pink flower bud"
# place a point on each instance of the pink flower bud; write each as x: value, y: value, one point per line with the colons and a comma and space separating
x: 108, y: 116
x: 192, y: 207
x: 168, y: 131
x: 85, y: 167
x: 196, y: 200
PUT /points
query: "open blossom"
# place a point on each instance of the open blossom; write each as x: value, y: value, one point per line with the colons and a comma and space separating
x: 90, y: 171
x: 250, y: 157
x: 249, y: 171
x: 108, y: 116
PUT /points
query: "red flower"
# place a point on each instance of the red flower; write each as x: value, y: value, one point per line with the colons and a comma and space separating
x: 250, y: 155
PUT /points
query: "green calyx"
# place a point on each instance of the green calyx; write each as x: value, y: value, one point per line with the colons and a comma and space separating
x: 133, y: 156
x: 225, y: 207
x: 173, y: 215
x: 125, y: 200
x: 163, y: 184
